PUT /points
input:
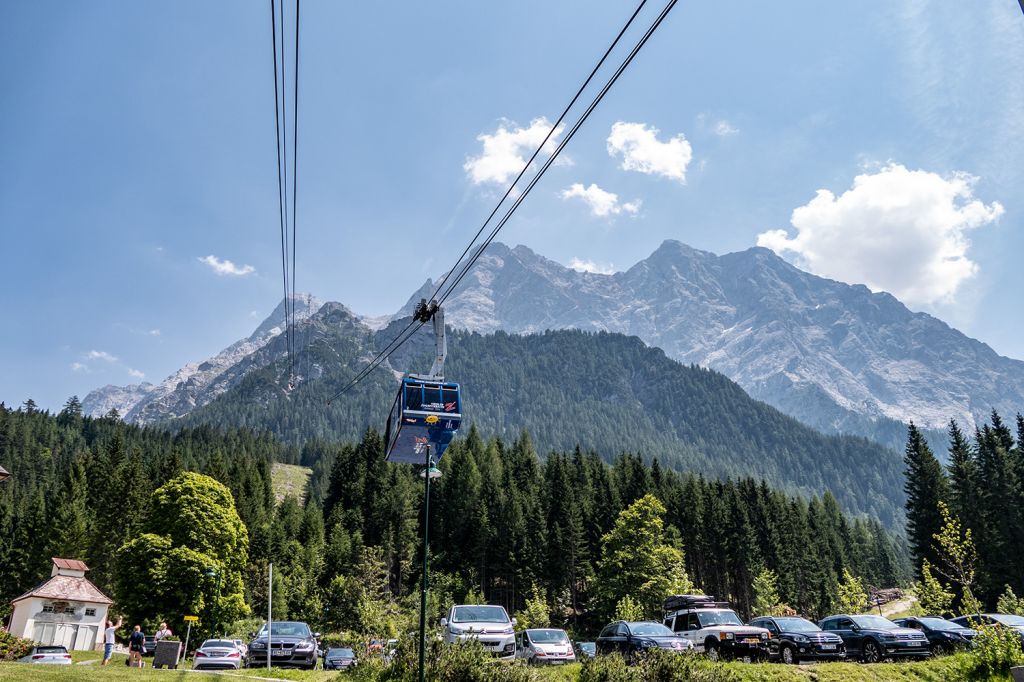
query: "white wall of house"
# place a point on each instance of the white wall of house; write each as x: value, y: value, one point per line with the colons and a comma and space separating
x: 74, y: 624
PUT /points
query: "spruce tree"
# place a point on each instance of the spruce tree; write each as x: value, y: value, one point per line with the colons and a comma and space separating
x: 926, y: 487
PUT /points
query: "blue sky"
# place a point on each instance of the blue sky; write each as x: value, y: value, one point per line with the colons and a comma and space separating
x: 139, y: 139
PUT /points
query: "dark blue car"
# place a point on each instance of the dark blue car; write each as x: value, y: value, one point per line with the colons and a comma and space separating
x: 944, y: 636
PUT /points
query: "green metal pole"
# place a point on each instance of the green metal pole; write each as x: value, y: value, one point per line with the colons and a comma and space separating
x: 426, y: 550
x: 216, y: 605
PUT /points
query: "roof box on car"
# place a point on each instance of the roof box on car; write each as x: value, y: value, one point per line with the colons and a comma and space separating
x: 688, y: 601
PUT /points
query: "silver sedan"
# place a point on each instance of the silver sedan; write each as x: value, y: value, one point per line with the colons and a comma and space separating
x: 217, y: 654
x: 48, y: 655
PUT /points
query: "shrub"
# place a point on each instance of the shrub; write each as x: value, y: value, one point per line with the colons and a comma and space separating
x: 13, y: 648
x: 608, y: 669
x: 667, y: 666
x: 996, y: 649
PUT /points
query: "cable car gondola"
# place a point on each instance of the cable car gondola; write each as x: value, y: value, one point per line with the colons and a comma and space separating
x: 427, y: 410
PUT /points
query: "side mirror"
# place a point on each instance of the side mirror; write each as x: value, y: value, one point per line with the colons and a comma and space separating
x: 252, y: 635
x: 444, y: 622
x: 855, y: 627
x: 316, y: 635
x: 513, y: 621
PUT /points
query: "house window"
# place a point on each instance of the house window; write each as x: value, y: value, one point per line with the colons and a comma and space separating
x: 90, y: 612
x: 69, y: 610
x: 47, y: 608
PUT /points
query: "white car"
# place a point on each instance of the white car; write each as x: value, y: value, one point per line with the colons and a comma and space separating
x: 217, y: 654
x: 47, y: 655
x: 490, y: 625
x: 544, y: 646
x: 715, y: 629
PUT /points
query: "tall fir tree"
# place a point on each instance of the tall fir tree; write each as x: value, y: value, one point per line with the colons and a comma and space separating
x: 925, y: 486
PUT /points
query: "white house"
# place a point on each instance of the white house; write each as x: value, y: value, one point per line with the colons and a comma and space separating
x: 66, y: 609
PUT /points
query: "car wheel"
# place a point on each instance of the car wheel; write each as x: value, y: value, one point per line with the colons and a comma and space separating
x: 788, y: 657
x: 872, y: 654
x: 711, y: 650
x: 940, y: 650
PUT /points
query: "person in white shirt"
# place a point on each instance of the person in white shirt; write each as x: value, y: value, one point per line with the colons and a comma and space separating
x: 164, y: 631
x: 108, y: 639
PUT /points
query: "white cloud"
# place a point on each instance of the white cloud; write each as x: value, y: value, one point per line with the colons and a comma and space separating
x: 895, y: 230
x: 601, y: 202
x: 100, y: 355
x: 79, y: 367
x: 591, y: 266
x: 641, y: 150
x: 153, y: 332
x: 724, y: 129
x: 506, y: 150
x: 226, y: 267
x: 136, y: 373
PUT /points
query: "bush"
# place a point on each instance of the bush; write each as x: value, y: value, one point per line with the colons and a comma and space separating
x: 607, y: 669
x: 996, y: 649
x: 467, y: 662
x: 13, y: 648
x: 666, y: 666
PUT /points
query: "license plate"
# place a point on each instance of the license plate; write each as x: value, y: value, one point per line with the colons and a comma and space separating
x: 280, y: 653
x: 557, y: 662
x: 752, y: 640
x: 828, y: 647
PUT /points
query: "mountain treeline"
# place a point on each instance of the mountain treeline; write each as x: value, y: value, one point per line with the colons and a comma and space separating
x: 505, y: 525
x: 605, y: 391
x: 965, y: 519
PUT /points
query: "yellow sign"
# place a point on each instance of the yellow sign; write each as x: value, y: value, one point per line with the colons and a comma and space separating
x: 191, y: 619
x: 431, y: 419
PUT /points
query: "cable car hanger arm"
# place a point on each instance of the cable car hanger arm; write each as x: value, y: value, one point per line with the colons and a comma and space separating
x: 425, y: 312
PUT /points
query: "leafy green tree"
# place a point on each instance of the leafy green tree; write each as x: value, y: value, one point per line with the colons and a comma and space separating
x: 957, y: 556
x: 851, y: 596
x: 536, y: 614
x: 933, y: 598
x: 1010, y: 603
x: 195, y: 545
x: 637, y: 560
x: 629, y: 609
x: 766, y: 595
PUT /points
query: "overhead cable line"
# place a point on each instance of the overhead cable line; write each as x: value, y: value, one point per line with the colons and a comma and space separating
x: 540, y: 147
x: 281, y: 187
x: 561, y: 145
x: 404, y: 336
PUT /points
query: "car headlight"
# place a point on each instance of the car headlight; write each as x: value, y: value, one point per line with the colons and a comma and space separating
x: 802, y: 639
x: 509, y: 630
x: 647, y: 643
x: 455, y: 629
x: 258, y: 645
x: 889, y: 638
x: 764, y: 635
x: 304, y: 646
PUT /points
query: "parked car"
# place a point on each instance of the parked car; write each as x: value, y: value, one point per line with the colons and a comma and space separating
x: 490, y: 625
x: 292, y: 645
x: 217, y: 654
x: 631, y: 639
x: 944, y: 636
x: 873, y: 638
x: 47, y: 655
x: 1004, y: 619
x: 340, y: 658
x: 714, y: 628
x: 544, y: 646
x: 793, y: 639
x: 585, y: 649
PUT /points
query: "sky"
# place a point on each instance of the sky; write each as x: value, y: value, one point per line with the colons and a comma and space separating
x: 876, y: 142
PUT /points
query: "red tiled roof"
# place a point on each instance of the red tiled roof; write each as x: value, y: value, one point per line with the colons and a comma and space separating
x: 70, y: 564
x: 67, y: 588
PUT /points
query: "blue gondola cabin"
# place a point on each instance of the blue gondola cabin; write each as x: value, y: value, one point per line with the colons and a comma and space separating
x: 425, y: 412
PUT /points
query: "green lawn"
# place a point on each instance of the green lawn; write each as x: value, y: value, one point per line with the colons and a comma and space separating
x: 289, y: 479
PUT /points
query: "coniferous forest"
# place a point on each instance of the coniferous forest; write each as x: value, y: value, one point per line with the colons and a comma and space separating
x: 506, y: 524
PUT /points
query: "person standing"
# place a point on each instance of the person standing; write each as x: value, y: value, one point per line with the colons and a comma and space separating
x: 109, y: 635
x: 136, y: 645
x: 164, y: 631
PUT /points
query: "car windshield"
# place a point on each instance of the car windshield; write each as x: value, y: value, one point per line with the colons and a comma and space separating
x: 1005, y: 619
x: 341, y: 653
x: 650, y: 630
x: 286, y: 629
x: 479, y: 614
x: 939, y: 624
x: 708, y: 618
x: 547, y: 636
x: 796, y: 625
x: 218, y: 644
x: 589, y: 647
x: 874, y: 623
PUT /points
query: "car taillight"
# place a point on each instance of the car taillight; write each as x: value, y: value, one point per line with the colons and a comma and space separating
x: 37, y: 657
x: 67, y: 655
x: 234, y: 654
x: 200, y: 654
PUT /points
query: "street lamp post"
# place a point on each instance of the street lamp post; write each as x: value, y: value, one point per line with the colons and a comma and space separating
x: 216, y: 605
x: 429, y: 472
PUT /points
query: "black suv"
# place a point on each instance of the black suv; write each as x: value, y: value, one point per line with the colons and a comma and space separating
x: 794, y: 639
x: 944, y: 636
x: 291, y: 645
x: 873, y: 638
x: 632, y: 639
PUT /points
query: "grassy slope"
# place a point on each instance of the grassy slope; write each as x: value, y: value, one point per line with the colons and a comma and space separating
x: 289, y: 479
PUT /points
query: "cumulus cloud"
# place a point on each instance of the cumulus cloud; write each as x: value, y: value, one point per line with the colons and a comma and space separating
x: 591, y: 266
x: 79, y: 367
x: 601, y: 202
x: 101, y: 355
x: 896, y: 230
x: 226, y: 267
x: 641, y: 151
x: 724, y: 129
x: 136, y: 373
x: 505, y: 151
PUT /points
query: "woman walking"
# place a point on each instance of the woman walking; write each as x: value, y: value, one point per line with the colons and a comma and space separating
x: 136, y: 645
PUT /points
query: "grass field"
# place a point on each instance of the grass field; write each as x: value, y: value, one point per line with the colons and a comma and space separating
x: 938, y: 670
x: 289, y: 479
